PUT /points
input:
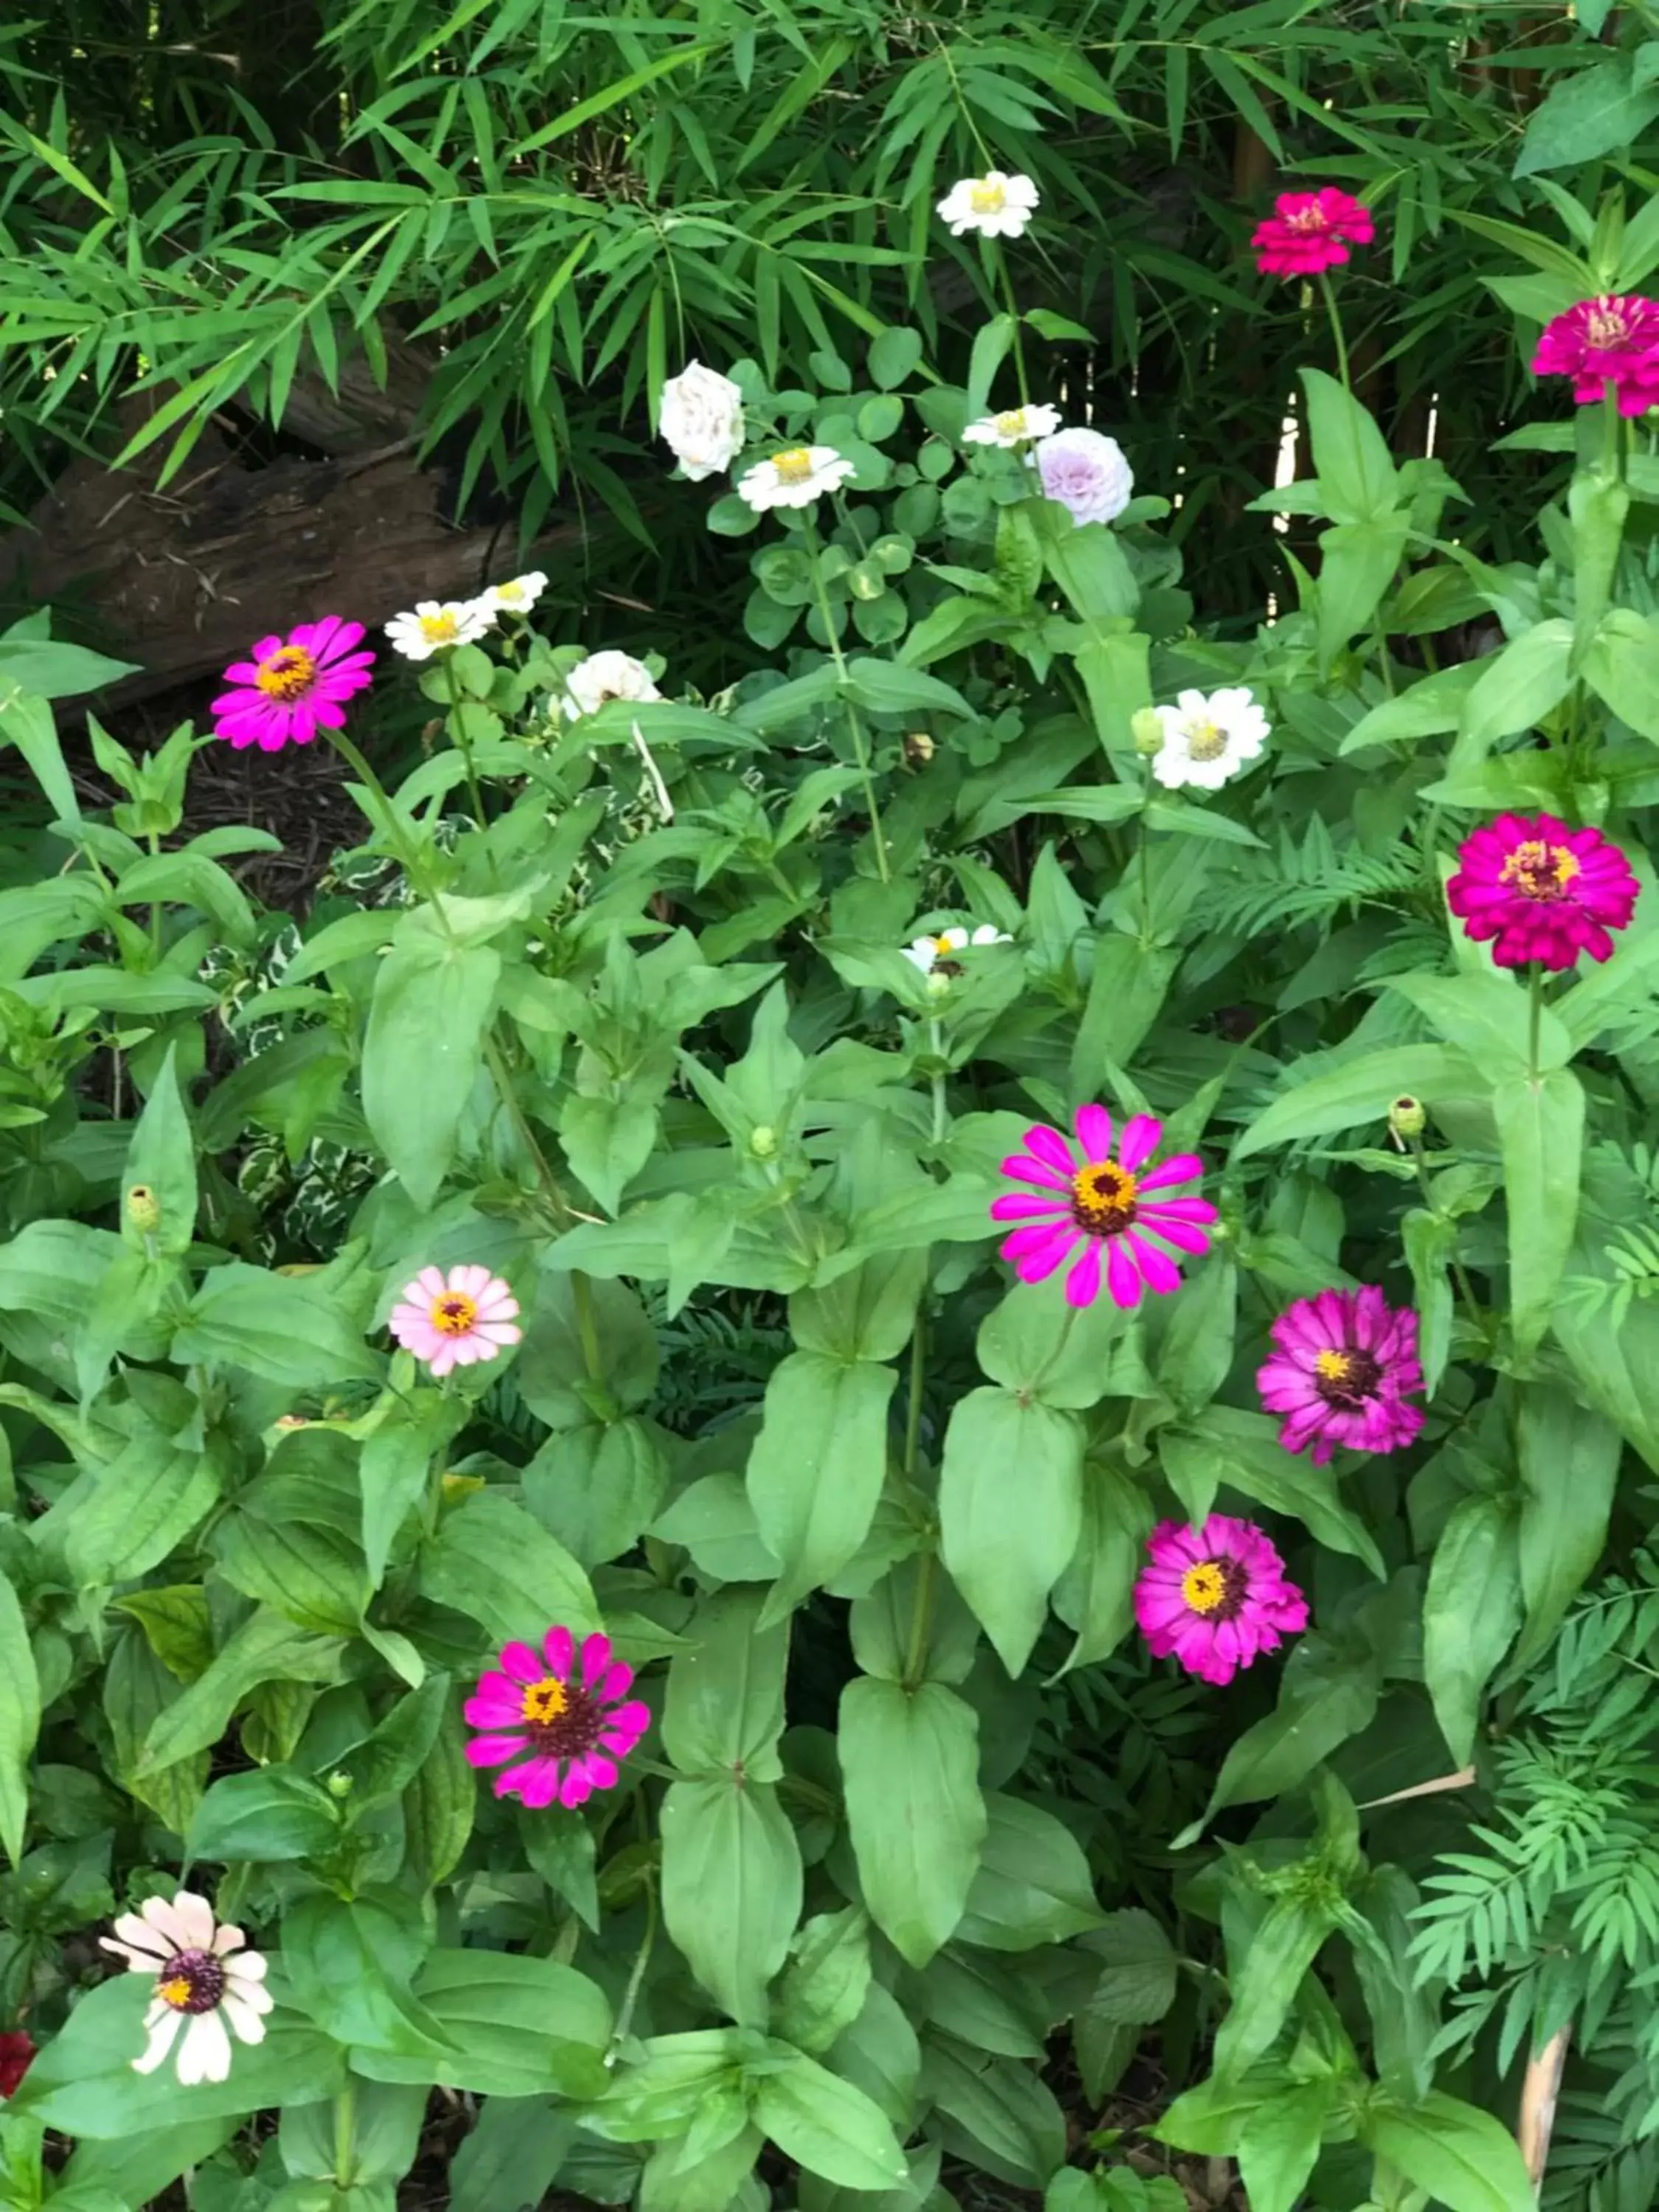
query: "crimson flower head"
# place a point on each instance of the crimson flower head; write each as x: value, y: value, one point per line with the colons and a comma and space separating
x: 1215, y: 1597
x: 16, y: 2050
x: 1109, y: 1202
x: 1613, y: 339
x: 1346, y: 1361
x: 1311, y: 231
x: 1537, y: 891
x: 292, y: 686
x: 555, y: 1729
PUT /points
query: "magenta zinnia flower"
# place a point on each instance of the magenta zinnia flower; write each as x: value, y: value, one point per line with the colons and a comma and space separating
x: 1609, y: 340
x: 574, y: 1731
x: 1311, y: 231
x: 1105, y: 1203
x: 1345, y: 1363
x: 451, y: 1320
x: 292, y: 687
x: 1541, y: 891
x: 1215, y: 1597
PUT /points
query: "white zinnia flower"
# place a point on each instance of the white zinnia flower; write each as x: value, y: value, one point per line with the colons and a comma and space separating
x: 1086, y: 471
x: 515, y: 597
x: 701, y: 421
x: 794, y: 477
x: 205, y: 1982
x: 437, y: 624
x: 997, y: 205
x: 1012, y: 427
x: 1207, y: 740
x: 603, y: 676
x: 926, y: 951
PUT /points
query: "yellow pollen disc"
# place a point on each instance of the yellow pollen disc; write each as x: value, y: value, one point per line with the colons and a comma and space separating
x: 987, y: 198
x: 511, y: 592
x: 1204, y: 1587
x: 1205, y: 741
x: 1333, y: 1366
x: 1103, y: 1183
x: 1013, y: 424
x: 439, y: 630
x: 543, y: 1701
x: 1540, y: 870
x: 793, y: 465
x: 452, y: 1313
x: 1307, y: 218
x: 176, y: 1991
x: 288, y: 675
x: 1605, y: 325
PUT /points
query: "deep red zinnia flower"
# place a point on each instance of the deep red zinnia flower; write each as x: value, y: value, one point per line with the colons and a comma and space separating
x: 1613, y: 339
x: 1541, y: 891
x: 1311, y: 231
x: 292, y: 686
x: 1215, y: 1597
x: 1345, y: 1363
x: 16, y: 2050
x: 563, y: 1731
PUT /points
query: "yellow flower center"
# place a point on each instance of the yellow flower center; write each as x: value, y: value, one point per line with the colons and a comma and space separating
x: 510, y: 595
x: 1311, y: 217
x: 1102, y: 1198
x: 453, y: 1313
x: 1333, y: 1366
x: 287, y: 674
x: 1205, y: 1586
x: 1013, y: 424
x: 543, y: 1701
x: 441, y: 629
x: 1605, y: 324
x: 793, y: 465
x: 1206, y: 740
x: 175, y: 1990
x: 987, y: 197
x: 1348, y: 1378
x: 1540, y: 870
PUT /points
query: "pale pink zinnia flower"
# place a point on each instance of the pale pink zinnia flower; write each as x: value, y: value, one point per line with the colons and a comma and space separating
x: 1308, y: 232
x: 205, y: 1982
x: 292, y: 686
x: 1215, y: 1597
x: 1537, y: 891
x: 451, y: 1320
x: 573, y: 1732
x: 1345, y: 1361
x: 1609, y: 340
x: 1111, y: 1206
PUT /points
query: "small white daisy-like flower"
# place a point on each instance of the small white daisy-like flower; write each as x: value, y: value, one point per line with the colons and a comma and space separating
x: 437, y: 624
x: 1207, y: 740
x: 940, y: 951
x: 794, y: 477
x: 603, y: 676
x: 996, y: 206
x: 517, y: 596
x: 1012, y: 427
x: 205, y: 1983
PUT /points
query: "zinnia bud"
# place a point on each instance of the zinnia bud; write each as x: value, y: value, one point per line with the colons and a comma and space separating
x: 1406, y: 1117
x: 143, y: 1209
x: 919, y: 748
x: 763, y: 1142
x: 1148, y: 728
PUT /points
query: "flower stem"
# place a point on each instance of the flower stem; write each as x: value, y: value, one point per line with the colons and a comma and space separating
x: 860, y: 749
x: 345, y: 2132
x: 1331, y: 309
x: 404, y: 851
x: 913, y: 1407
x: 1613, y: 458
x: 936, y: 1044
x: 921, y: 1621
x: 1534, y: 1016
x: 464, y: 742
x: 1146, y: 864
x: 636, y: 1976
x: 1460, y: 1273
x: 993, y: 248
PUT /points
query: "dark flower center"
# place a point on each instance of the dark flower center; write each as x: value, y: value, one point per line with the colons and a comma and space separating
x: 1348, y: 1378
x: 191, y: 1981
x: 288, y: 675
x: 1540, y: 870
x: 561, y: 1720
x: 1216, y: 1588
x: 1103, y: 1202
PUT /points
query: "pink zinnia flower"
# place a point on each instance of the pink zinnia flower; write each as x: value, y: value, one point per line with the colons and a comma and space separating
x: 1541, y: 891
x: 1215, y: 1597
x: 292, y: 687
x: 1107, y: 1205
x: 1311, y: 231
x: 451, y: 1320
x: 1607, y: 340
x: 1345, y: 1363
x: 574, y: 1732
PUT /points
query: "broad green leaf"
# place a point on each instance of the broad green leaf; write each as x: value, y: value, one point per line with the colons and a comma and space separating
x: 516, y: 2026
x: 1230, y: 1449
x: 147, y: 1501
x: 1264, y: 1982
x: 440, y: 1804
x: 1006, y: 2119
x: 724, y: 1707
x: 394, y: 1469
x: 1095, y: 1594
x: 1137, y: 1982
x: 1462, y: 2158
x: 824, y: 1985
x: 268, y: 1814
x: 827, y: 2125
x: 1487, y: 1015
x: 1032, y: 1884
x: 1362, y: 1090
x: 1568, y: 1462
x: 161, y: 1164
x: 1281, y: 2142
x: 490, y: 1560
x: 20, y: 1720
x: 597, y: 1487
x: 1011, y: 1511
x: 1323, y: 1699
x: 867, y: 1313
x: 285, y: 1328
x: 888, y: 687
x: 265, y: 1649
x: 1595, y: 111
x: 817, y: 1466
x: 1541, y: 1128
x: 910, y: 1763
x: 1358, y: 561
x: 1521, y: 683
x: 1039, y: 1347
x: 1357, y: 476
x: 731, y: 1886
x: 422, y: 1050
x: 313, y: 1577
x: 1432, y: 706
x: 510, y: 2156
x: 1471, y: 1608
x: 1622, y: 666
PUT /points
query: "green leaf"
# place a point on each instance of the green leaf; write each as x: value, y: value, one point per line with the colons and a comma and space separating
x: 910, y: 1763
x: 285, y: 1328
x: 817, y: 1466
x: 393, y: 1471
x: 1357, y: 476
x: 731, y: 1886
x: 1464, y: 2159
x: 268, y: 1813
x: 866, y: 1314
x: 350, y: 1962
x: 1089, y: 566
x: 1362, y: 1090
x: 1006, y: 2120
x: 1230, y: 1449
x: 515, y: 2026
x: 1595, y: 111
x: 1622, y: 666
x: 1039, y: 1347
x: 422, y: 1051
x: 1431, y: 707
x: 1011, y: 1511
x: 1541, y: 1129
x: 265, y: 1649
x: 490, y: 1560
x: 27, y: 722
x: 1516, y: 689
x: 1486, y: 1014
x: 824, y: 1985
x: 826, y: 2125
x: 147, y: 1501
x: 894, y: 357
x: 312, y: 1576
x: 510, y: 2156
x: 1264, y: 1981
x: 1137, y: 1982
x: 888, y: 687
x: 1323, y: 1699
x: 440, y: 1805
x: 1281, y: 2142
x: 1471, y: 1608
x: 162, y: 1160
x: 1358, y: 561
x: 20, y: 1720
x: 1032, y: 1884
x: 597, y: 1486
x: 723, y: 1708
x: 1569, y: 1463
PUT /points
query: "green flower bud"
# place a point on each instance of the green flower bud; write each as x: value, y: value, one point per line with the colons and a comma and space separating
x: 1406, y: 1117
x: 143, y: 1209
x: 763, y: 1142
x: 1148, y: 731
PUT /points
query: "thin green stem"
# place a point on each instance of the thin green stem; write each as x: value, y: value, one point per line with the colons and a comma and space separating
x: 913, y: 1407
x: 936, y: 1045
x: 636, y: 1975
x: 1145, y: 863
x: 856, y: 730
x: 1613, y: 443
x: 345, y: 2132
x: 1460, y: 1273
x: 1006, y: 275
x: 1340, y: 343
x: 154, y: 909
x: 1534, y: 1017
x: 458, y: 728
x: 402, y: 846
x: 921, y: 1621
x: 496, y: 1061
